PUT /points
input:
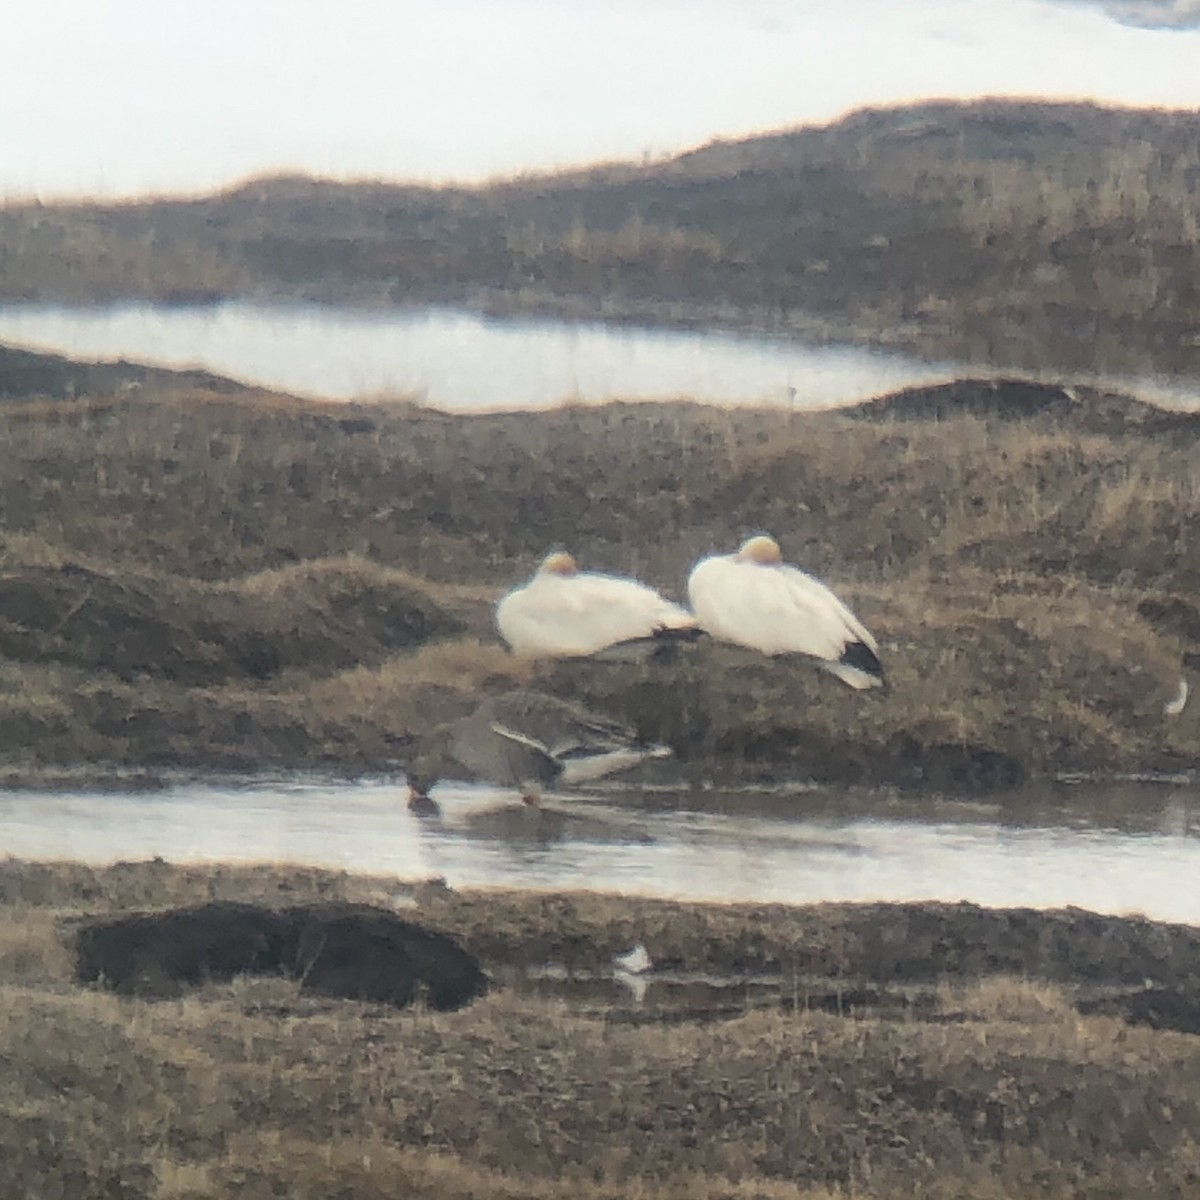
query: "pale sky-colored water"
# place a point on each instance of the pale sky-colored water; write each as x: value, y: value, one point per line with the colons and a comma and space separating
x: 463, y: 361
x: 742, y: 848
x: 131, y: 96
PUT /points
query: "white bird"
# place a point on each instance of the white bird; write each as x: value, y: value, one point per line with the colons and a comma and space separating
x: 523, y: 739
x: 563, y: 612
x: 634, y: 962
x: 754, y: 599
x: 631, y: 968
x: 1178, y: 702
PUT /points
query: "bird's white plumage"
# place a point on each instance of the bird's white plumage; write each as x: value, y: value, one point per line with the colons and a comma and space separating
x: 773, y: 609
x: 1178, y: 702
x: 583, y: 767
x: 565, y: 613
x: 754, y: 599
x: 634, y: 962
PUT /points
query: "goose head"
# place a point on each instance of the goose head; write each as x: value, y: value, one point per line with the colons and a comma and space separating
x: 558, y: 562
x: 423, y: 770
x: 760, y: 549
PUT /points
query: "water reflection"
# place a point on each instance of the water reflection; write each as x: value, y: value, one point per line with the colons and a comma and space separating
x: 461, y: 360
x: 466, y: 362
x: 1116, y: 849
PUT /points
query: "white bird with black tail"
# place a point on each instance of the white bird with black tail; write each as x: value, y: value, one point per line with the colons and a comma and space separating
x: 754, y: 599
x: 525, y: 740
x: 563, y: 612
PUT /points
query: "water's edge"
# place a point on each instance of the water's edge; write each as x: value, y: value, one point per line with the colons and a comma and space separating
x: 1133, y: 848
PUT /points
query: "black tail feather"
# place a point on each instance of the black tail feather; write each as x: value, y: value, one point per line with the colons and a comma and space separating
x: 861, y: 657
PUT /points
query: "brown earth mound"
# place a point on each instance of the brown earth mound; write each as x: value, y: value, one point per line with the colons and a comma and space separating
x: 848, y: 960
x: 352, y: 951
x: 322, y: 616
x: 1085, y: 409
x: 27, y: 375
x: 1021, y: 232
x: 851, y: 959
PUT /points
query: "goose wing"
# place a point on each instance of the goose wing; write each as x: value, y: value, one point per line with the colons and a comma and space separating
x: 537, y: 752
x: 542, y: 737
x: 836, y: 623
x: 493, y: 751
x: 561, y: 728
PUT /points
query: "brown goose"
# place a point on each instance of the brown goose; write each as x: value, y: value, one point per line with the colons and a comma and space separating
x: 525, y: 740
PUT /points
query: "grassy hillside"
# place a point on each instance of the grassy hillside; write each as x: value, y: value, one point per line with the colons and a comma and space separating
x: 1033, y: 234
x: 202, y: 578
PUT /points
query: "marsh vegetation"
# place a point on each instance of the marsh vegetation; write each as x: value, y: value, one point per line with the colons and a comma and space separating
x: 199, y: 575
x: 215, y: 578
x: 1018, y: 232
x: 997, y: 1084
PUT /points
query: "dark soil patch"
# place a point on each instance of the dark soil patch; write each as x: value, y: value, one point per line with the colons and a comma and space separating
x: 1082, y: 408
x: 351, y: 951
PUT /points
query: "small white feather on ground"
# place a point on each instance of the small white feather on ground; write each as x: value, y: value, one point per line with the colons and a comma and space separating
x: 1178, y: 702
x: 634, y: 962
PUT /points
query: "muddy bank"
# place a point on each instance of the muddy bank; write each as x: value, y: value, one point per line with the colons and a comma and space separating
x: 154, y: 927
x: 939, y: 1050
x: 29, y: 374
x: 191, y: 579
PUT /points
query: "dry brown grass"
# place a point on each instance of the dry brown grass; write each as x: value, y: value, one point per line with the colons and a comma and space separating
x: 463, y: 669
x: 1025, y: 1002
x: 254, y: 1089
x: 32, y: 951
x: 217, y: 1093
x: 279, y: 585
x: 292, y: 584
